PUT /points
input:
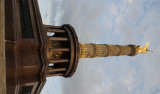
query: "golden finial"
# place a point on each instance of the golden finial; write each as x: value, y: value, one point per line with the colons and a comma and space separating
x: 144, y: 49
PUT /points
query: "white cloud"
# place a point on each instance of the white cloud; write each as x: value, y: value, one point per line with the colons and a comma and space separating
x: 114, y: 10
x: 116, y: 88
x: 58, y: 17
x: 128, y: 21
x: 130, y: 1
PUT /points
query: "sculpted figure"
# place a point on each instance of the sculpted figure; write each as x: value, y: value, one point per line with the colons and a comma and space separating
x: 144, y: 49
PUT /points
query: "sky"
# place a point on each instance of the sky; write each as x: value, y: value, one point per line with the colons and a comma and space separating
x: 120, y: 22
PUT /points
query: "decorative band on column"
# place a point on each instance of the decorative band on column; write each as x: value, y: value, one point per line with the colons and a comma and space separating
x: 94, y: 51
x: 120, y: 50
x: 133, y: 50
x: 87, y: 50
x: 110, y: 50
x: 107, y: 54
x: 99, y: 50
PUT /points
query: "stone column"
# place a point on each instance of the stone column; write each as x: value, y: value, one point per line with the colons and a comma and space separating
x: 104, y: 50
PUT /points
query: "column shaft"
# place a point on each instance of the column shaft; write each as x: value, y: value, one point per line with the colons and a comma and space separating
x: 56, y: 70
x: 104, y: 50
x: 56, y: 74
x: 51, y: 26
x: 55, y: 30
x: 57, y: 38
x: 58, y: 61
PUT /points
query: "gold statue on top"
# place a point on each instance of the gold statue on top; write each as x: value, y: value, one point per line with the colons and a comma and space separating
x: 144, y: 49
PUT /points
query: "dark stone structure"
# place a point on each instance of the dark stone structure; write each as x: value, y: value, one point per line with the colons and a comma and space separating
x: 28, y: 48
x: 26, y: 59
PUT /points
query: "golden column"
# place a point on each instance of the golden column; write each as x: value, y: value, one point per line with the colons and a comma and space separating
x: 104, y: 50
x: 64, y: 50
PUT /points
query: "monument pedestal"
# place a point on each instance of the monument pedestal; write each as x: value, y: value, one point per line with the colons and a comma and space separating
x: 26, y: 60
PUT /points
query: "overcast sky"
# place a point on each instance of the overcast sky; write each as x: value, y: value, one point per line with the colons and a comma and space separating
x: 120, y: 22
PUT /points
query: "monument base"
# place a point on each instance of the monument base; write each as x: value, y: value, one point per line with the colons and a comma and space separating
x: 25, y: 58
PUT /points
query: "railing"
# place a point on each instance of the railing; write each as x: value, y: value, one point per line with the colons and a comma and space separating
x: 59, y: 71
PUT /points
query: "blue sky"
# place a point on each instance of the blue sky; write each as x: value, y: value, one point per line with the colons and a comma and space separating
x: 120, y: 22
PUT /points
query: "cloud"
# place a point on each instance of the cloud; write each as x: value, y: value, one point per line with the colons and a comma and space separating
x: 111, y: 22
x: 114, y: 10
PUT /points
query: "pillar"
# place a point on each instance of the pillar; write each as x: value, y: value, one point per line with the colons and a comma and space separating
x: 104, y: 50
